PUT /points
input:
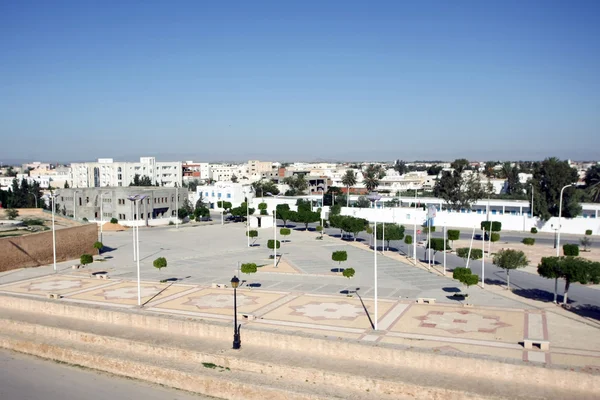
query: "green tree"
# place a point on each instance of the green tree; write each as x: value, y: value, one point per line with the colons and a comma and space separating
x: 225, y: 205
x: 66, y: 185
x: 297, y: 184
x: 160, y: 263
x: 392, y: 232
x: 549, y: 268
x: 353, y: 225
x: 514, y: 187
x: 263, y: 209
x: 201, y: 212
x: 141, y: 180
x: 98, y: 246
x: 253, y: 234
x: 592, y: 183
x: 570, y: 249
x: 86, y: 259
x: 459, y: 165
x: 305, y: 217
x: 339, y: 256
x: 348, y: 272
x: 475, y: 254
x: 372, y: 175
x: 434, y: 170
x: 453, y: 234
x: 335, y: 209
x: 285, y: 232
x: 271, y: 244
x: 549, y: 177
x: 320, y: 230
x: 249, y: 268
x: 283, y: 213
x: 437, y: 244
x: 465, y: 276
x: 349, y: 180
x: 576, y: 269
x: 458, y: 192
x: 400, y: 167
x: 508, y: 259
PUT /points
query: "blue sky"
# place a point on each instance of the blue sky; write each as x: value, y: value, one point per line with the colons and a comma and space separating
x: 299, y: 80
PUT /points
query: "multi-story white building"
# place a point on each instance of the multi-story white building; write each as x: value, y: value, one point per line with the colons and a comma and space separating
x: 107, y: 172
x: 235, y: 193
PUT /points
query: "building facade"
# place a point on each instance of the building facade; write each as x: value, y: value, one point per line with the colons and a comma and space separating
x: 106, y: 172
x: 103, y: 204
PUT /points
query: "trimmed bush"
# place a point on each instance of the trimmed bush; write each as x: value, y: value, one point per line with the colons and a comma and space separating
x: 348, y: 272
x: 114, y: 221
x: 495, y: 237
x: 319, y: 228
x: 408, y: 239
x: 270, y: 244
x: 339, y: 256
x: 249, y: 268
x: 286, y: 231
x: 252, y: 233
x: 588, y: 232
x: 570, y: 250
x: 453, y: 234
x: 85, y: 219
x: 463, y: 253
x: 98, y: 246
x: 534, y: 230
x: 528, y: 241
x: 160, y: 263
x: 86, y: 259
x: 496, y: 226
x: 459, y: 272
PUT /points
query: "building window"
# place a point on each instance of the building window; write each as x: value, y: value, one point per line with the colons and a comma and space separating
x: 228, y: 195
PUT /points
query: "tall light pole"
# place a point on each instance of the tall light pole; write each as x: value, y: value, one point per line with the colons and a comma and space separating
x: 274, y: 241
x: 53, y: 199
x: 559, y: 218
x: 135, y: 200
x: 374, y: 197
x: 531, y: 210
x: 177, y: 206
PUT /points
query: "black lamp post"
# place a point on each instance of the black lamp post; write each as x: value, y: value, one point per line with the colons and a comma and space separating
x: 237, y: 342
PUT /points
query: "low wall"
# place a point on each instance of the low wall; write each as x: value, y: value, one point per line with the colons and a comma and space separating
x: 35, y: 249
x: 508, y: 372
x: 522, y: 223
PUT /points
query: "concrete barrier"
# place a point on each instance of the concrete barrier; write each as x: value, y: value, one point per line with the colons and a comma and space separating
x: 426, y: 361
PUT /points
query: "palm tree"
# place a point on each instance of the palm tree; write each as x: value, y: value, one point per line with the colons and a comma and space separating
x: 372, y: 175
x: 595, y: 192
x: 349, y: 180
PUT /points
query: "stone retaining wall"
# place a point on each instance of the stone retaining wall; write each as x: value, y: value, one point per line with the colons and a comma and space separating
x: 519, y: 373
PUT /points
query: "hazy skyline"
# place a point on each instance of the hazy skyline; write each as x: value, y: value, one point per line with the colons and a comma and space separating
x: 305, y: 80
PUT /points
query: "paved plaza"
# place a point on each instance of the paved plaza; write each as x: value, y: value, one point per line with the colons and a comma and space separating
x: 305, y: 293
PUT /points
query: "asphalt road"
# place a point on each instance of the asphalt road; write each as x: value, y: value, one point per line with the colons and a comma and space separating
x: 24, y: 377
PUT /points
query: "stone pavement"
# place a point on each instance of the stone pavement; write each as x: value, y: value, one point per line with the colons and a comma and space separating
x: 303, y: 293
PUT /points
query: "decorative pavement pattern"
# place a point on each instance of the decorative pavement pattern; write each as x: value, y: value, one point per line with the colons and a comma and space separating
x: 444, y: 328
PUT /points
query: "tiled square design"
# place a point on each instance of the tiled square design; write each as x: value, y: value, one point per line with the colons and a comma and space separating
x: 60, y: 284
x: 126, y: 293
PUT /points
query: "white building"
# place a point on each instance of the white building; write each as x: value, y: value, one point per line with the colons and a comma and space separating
x: 235, y: 193
x: 107, y: 172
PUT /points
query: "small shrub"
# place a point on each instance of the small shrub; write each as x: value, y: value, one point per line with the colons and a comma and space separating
x: 86, y: 259
x: 408, y: 239
x: 171, y: 223
x: 348, y: 272
x: 534, y: 230
x: 85, y: 219
x: 98, y: 246
x: 571, y: 250
x: 588, y: 232
x: 459, y: 272
x: 496, y: 226
x: 33, y: 222
x: 528, y: 241
x: 264, y: 212
x: 495, y: 237
x: 463, y: 252
x: 252, y: 233
x: 319, y: 228
x: 160, y: 263
x: 285, y: 231
x: 11, y: 213
x: 453, y: 234
x: 114, y: 221
x: 249, y: 268
x: 270, y: 244
x: 339, y: 256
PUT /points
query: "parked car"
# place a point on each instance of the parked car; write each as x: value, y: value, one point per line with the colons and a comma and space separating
x: 235, y: 218
x: 479, y: 237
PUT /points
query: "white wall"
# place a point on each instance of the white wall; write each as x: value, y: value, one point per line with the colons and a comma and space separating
x: 408, y: 216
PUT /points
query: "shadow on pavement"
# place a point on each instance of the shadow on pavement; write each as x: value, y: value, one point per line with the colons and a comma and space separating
x: 586, y: 311
x: 451, y: 290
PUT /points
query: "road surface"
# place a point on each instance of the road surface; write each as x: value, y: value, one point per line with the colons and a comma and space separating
x: 25, y: 377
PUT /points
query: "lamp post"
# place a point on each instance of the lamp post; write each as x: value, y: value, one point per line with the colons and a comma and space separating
x: 136, y: 232
x: 374, y: 197
x: 74, y: 193
x: 177, y: 206
x: 53, y: 199
x: 531, y: 210
x: 237, y: 342
x: 559, y: 217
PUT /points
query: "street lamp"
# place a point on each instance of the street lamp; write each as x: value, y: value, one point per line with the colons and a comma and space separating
x: 52, y: 198
x: 374, y: 198
x: 531, y: 210
x: 237, y: 342
x: 275, y: 240
x: 559, y: 217
x: 136, y: 233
